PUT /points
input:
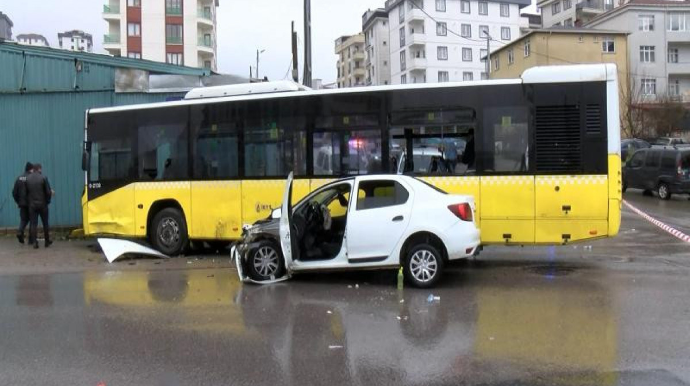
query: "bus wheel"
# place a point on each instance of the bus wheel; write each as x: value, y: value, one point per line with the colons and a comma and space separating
x: 169, y: 232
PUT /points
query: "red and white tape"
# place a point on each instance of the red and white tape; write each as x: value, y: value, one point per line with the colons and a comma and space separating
x: 669, y: 229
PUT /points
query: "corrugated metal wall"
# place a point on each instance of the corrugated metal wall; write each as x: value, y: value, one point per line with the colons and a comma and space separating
x: 49, y: 128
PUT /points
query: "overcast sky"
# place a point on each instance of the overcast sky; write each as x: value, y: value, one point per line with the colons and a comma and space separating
x: 243, y: 27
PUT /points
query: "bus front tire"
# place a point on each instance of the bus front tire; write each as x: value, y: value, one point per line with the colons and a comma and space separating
x: 169, y: 232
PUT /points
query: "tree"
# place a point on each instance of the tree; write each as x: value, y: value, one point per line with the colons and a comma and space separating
x: 647, y: 116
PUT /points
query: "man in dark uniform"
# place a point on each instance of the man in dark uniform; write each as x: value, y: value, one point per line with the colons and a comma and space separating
x: 19, y: 195
x: 39, y: 195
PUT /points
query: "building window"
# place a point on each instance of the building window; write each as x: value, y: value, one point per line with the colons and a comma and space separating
x: 648, y: 86
x: 484, y: 76
x: 134, y: 55
x: 483, y: 31
x: 567, y: 4
x: 403, y: 79
x: 496, y: 63
x: 441, y: 29
x: 608, y: 44
x: 442, y: 53
x: 527, y: 48
x: 173, y: 33
x: 403, y: 66
x: 568, y: 22
x: 133, y: 29
x: 443, y: 76
x: 441, y: 5
x: 134, y: 3
x: 645, y: 22
x: 505, y: 33
x: 580, y: 39
x: 385, y: 63
x: 674, y: 87
x: 482, y: 54
x: 466, y: 54
x: 511, y: 57
x: 647, y: 54
x: 483, y: 8
x: 676, y: 21
x: 673, y: 55
x: 467, y: 76
x: 416, y: 4
x: 174, y: 59
x: 173, y: 7
x: 402, y: 37
x: 465, y: 6
x: 401, y: 13
x: 505, y: 10
x: 466, y: 30
x: 555, y: 7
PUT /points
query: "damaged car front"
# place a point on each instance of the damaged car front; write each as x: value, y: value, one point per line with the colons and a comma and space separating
x: 260, y: 242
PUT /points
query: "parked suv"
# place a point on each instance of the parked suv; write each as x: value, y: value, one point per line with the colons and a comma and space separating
x: 664, y: 169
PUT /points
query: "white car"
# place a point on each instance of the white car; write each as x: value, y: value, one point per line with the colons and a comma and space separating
x: 393, y: 220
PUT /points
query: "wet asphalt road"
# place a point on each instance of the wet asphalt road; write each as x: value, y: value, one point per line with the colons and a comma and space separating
x: 617, y: 313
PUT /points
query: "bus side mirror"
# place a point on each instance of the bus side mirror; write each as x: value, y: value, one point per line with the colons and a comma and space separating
x: 85, y: 156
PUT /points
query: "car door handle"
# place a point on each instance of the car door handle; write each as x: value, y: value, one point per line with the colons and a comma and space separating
x: 397, y: 218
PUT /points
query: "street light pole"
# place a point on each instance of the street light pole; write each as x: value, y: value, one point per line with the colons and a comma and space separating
x: 257, y: 62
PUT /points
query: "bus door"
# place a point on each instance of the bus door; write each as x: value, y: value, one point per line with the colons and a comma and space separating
x: 432, y: 144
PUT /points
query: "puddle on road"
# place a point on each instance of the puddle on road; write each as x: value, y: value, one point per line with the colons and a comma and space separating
x: 551, y: 270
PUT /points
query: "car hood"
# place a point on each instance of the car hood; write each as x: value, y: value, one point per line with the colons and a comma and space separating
x: 269, y: 226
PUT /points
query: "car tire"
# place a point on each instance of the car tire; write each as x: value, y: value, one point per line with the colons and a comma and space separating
x: 169, y: 232
x: 423, y: 265
x: 265, y: 262
x: 663, y: 191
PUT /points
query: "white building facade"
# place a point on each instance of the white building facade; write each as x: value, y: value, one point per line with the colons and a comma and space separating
x: 33, y: 40
x: 424, y: 42
x: 376, y: 45
x: 75, y: 41
x: 351, y: 60
x: 572, y: 13
x: 658, y: 46
x: 179, y: 32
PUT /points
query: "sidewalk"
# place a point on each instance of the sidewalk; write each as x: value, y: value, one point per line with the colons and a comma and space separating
x: 82, y: 255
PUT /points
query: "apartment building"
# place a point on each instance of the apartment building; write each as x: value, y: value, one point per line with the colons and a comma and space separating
x: 376, y: 39
x: 658, y: 46
x: 181, y: 32
x: 5, y: 27
x: 351, y: 60
x: 573, y: 13
x: 445, y: 40
x: 75, y: 40
x: 33, y: 40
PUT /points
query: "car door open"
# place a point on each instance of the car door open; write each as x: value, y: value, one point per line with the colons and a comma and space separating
x: 286, y: 240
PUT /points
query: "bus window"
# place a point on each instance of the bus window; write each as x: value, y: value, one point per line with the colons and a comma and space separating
x: 347, y: 152
x: 216, y: 151
x: 111, y: 149
x: 162, y: 145
x: 506, y: 139
x: 275, y: 147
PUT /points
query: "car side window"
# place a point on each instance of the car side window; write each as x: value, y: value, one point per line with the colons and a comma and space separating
x: 637, y: 159
x: 380, y: 193
x: 668, y: 160
x: 653, y: 159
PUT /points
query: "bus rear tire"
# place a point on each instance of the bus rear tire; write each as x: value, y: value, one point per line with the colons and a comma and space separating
x: 169, y: 232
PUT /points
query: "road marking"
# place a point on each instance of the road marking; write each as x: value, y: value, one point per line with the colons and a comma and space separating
x: 669, y: 229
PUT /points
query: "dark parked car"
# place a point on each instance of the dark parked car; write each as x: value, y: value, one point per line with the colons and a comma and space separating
x: 665, y: 170
x: 629, y: 146
x: 668, y: 141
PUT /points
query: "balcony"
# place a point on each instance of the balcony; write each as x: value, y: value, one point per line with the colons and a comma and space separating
x: 173, y: 11
x: 205, y: 17
x: 359, y: 71
x: 359, y: 56
x: 682, y: 68
x: 173, y: 40
x: 111, y: 39
x: 417, y: 39
x: 415, y: 14
x: 205, y: 45
x: 111, y: 11
x: 417, y: 64
x: 592, y: 7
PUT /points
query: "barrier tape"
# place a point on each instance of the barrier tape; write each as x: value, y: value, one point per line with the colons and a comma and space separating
x: 669, y: 229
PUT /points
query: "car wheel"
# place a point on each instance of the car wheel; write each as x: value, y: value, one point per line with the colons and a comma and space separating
x: 663, y: 191
x: 266, y: 262
x: 423, y: 265
x: 169, y: 232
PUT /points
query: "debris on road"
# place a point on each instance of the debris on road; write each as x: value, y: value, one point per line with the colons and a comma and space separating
x: 115, y: 249
x: 334, y: 347
x: 431, y: 299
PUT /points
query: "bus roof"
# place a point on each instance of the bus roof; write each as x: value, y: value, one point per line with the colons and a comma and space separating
x: 284, y: 89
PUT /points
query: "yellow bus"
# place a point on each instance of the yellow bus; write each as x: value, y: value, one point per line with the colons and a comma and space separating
x: 540, y: 154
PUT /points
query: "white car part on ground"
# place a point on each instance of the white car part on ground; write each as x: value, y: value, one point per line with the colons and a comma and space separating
x: 115, y: 249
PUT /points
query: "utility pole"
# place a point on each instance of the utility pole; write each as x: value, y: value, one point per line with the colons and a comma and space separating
x: 306, y: 80
x: 257, y: 62
x: 488, y: 55
x: 295, y: 70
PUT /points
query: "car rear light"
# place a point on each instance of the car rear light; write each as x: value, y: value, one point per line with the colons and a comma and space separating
x: 462, y: 211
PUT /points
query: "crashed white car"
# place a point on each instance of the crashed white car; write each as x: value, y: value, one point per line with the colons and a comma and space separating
x: 364, y: 222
